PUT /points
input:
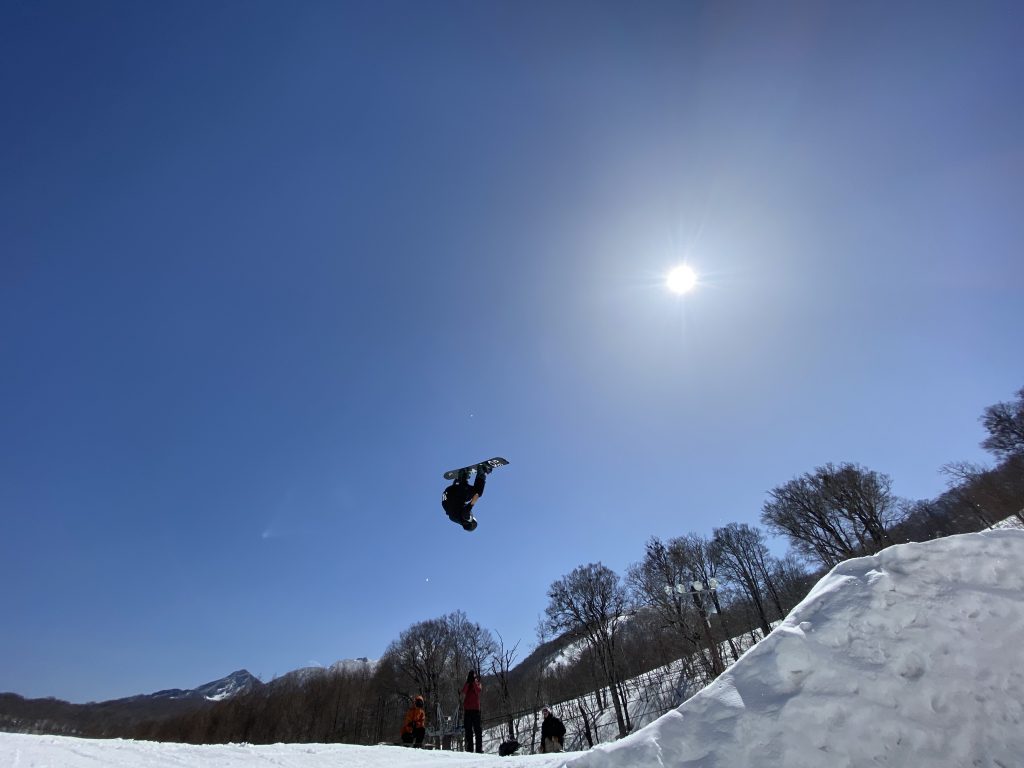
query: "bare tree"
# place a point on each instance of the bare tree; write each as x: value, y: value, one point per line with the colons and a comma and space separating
x: 834, y: 513
x: 815, y: 530
x: 989, y: 494
x: 790, y: 580
x: 657, y: 579
x: 865, y: 498
x: 501, y: 665
x: 432, y: 657
x: 744, y: 557
x: 473, y: 645
x: 421, y: 655
x: 589, y: 604
x: 960, y: 476
x: 1005, y: 425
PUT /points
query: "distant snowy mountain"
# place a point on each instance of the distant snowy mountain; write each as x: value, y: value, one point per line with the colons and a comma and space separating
x: 217, y: 690
x: 115, y: 716
x: 361, y: 664
x: 305, y: 674
x: 243, y: 682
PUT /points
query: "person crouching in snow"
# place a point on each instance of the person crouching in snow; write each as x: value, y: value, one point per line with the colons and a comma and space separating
x: 415, y: 727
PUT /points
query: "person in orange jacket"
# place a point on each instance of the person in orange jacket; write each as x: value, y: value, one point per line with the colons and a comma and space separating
x: 415, y: 727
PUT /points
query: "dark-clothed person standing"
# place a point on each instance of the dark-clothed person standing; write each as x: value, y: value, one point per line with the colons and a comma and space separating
x: 552, y: 733
x: 471, y: 708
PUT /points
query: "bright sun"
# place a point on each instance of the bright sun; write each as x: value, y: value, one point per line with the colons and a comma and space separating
x: 681, y: 280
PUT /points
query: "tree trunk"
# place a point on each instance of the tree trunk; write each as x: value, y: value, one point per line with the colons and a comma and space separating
x: 586, y: 725
x: 725, y: 627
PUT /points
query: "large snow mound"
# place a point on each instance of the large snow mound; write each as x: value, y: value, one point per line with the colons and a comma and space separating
x: 914, y: 656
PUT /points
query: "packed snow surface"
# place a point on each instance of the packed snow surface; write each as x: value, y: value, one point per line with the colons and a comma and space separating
x: 912, y: 657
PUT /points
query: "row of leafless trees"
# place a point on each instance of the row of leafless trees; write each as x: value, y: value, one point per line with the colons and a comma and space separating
x: 690, y: 598
x: 690, y: 594
x: 992, y: 494
x: 838, y: 512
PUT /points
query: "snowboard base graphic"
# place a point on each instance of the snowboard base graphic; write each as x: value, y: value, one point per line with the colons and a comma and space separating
x: 497, y: 461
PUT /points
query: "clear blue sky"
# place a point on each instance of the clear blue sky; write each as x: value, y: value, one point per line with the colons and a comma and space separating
x: 267, y: 269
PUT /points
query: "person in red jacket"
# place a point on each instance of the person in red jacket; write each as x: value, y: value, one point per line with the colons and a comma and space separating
x: 415, y: 726
x: 471, y: 708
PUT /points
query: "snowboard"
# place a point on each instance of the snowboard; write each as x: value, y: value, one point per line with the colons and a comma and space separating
x: 497, y: 461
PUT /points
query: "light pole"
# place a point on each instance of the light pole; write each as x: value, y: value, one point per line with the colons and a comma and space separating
x: 700, y: 586
x: 696, y: 589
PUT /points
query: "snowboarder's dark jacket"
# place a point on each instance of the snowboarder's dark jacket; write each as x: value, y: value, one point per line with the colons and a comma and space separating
x: 456, y: 497
x: 552, y: 727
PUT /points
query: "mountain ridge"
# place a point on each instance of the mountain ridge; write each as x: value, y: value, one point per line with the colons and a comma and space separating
x: 51, y: 715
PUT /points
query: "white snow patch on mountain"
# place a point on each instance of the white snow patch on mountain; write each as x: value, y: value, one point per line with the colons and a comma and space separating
x: 1009, y: 523
x: 350, y: 666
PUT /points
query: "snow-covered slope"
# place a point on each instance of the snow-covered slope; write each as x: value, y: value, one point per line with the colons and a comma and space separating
x: 913, y: 657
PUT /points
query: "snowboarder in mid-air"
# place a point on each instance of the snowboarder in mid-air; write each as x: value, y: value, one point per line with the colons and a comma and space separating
x: 459, y: 497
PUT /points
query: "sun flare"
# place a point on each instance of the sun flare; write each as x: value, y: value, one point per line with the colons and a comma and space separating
x: 682, y: 279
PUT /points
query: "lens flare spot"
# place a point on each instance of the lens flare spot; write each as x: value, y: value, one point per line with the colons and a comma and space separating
x: 682, y: 279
